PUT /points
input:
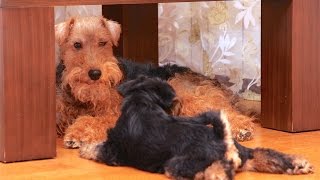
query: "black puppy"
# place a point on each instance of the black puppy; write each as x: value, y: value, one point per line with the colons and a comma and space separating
x: 148, y: 138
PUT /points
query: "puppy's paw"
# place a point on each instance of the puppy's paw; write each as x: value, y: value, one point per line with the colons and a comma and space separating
x: 90, y: 151
x: 243, y: 135
x: 217, y: 171
x: 300, y: 166
x: 171, y: 176
x: 217, y: 177
x: 242, y: 127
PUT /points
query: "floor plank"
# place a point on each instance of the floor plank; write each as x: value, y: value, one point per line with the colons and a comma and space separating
x: 68, y: 165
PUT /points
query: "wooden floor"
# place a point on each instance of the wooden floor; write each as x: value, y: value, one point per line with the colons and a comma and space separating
x: 68, y: 165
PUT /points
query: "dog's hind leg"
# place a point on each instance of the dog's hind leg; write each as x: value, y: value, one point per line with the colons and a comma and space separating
x: 199, y: 94
x: 222, y: 129
x: 218, y: 170
x: 206, y: 118
x: 271, y: 161
x: 186, y: 167
x: 209, y: 118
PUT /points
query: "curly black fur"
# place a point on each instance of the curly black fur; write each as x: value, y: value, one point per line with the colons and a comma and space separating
x: 133, y: 69
x: 148, y: 138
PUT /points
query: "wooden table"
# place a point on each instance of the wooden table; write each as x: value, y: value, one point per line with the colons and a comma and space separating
x: 290, y: 66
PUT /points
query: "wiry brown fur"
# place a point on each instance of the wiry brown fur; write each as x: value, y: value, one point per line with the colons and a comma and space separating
x: 265, y: 160
x: 200, y: 94
x: 87, y: 107
x: 216, y: 171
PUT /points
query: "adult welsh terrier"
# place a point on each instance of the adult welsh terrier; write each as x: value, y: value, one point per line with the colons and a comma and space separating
x: 88, y: 74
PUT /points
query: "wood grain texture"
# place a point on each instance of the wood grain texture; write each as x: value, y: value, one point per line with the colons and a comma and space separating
x: 306, y: 65
x: 276, y: 90
x: 46, y: 3
x: 115, y: 13
x: 2, y: 132
x: 27, y: 84
x: 290, y: 65
x: 139, y: 38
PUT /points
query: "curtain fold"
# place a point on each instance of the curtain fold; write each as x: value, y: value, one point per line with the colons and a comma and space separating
x: 217, y: 39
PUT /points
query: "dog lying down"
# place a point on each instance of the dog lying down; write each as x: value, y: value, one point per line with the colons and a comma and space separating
x: 148, y: 138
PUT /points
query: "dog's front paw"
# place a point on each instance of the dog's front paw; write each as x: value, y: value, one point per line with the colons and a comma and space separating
x: 73, y: 139
x: 242, y: 127
x: 87, y: 130
x: 72, y: 143
x: 75, y: 136
x: 300, y: 166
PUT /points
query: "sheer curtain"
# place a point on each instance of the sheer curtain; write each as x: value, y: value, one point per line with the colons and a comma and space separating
x: 218, y: 39
x: 63, y: 13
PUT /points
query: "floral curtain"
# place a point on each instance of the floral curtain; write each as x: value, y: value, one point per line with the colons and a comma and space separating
x: 217, y: 39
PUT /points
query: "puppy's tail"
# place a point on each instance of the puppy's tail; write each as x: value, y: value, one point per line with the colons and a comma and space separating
x: 232, y: 153
x: 261, y: 159
x: 100, y: 152
x: 271, y: 161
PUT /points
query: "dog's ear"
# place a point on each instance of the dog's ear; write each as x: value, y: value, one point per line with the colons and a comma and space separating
x: 114, y: 28
x: 128, y: 86
x: 62, y: 31
x: 176, y: 106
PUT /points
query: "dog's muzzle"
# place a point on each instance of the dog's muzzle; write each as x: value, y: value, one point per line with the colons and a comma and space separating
x: 94, y: 74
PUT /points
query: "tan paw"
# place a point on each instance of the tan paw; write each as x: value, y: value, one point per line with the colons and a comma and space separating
x: 243, y: 135
x: 87, y: 130
x: 300, y: 166
x: 72, y: 143
x: 217, y: 177
x: 73, y: 139
x: 216, y: 171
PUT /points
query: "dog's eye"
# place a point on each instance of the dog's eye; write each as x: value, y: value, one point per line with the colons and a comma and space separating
x: 77, y: 45
x: 103, y: 43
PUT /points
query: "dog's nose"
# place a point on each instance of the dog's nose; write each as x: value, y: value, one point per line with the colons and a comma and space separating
x: 94, y: 74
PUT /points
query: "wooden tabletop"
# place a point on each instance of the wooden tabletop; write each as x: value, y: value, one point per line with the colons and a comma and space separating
x: 46, y: 3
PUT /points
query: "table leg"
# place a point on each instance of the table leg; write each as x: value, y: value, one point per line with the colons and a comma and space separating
x: 290, y: 65
x: 139, y: 39
x: 27, y: 84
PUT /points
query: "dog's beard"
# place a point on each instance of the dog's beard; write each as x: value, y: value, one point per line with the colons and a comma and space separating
x: 89, y: 91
